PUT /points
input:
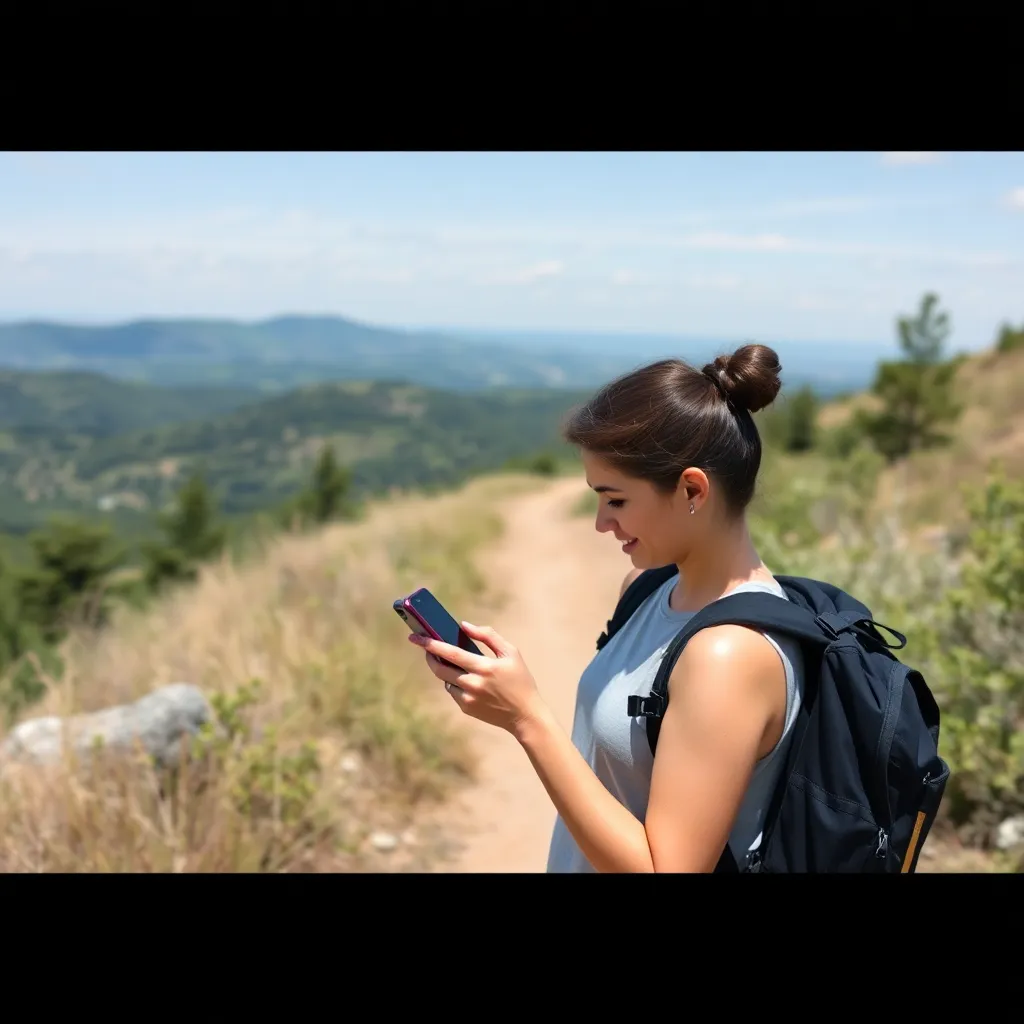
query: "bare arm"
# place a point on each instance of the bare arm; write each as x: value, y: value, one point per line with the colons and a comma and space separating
x: 720, y: 720
x: 725, y: 690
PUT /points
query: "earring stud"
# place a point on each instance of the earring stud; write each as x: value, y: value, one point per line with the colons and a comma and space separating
x: 691, y: 508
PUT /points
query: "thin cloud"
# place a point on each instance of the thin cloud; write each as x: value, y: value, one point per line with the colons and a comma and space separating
x: 893, y: 159
x: 740, y: 243
x: 826, y: 205
x: 814, y: 303
x: 714, y: 282
x: 539, y: 271
x: 545, y: 270
x: 1015, y: 199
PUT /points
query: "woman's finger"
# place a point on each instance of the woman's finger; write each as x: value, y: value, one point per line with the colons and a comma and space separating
x: 457, y: 694
x: 447, y: 674
x: 485, y: 634
x: 466, y: 661
x: 438, y: 668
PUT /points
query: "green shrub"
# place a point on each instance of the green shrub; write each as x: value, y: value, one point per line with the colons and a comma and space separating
x: 972, y: 649
x: 962, y: 611
x: 1010, y: 339
x: 544, y: 465
x: 269, y: 786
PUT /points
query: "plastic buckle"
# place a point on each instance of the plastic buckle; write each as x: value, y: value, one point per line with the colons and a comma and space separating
x: 644, y: 707
x: 826, y: 627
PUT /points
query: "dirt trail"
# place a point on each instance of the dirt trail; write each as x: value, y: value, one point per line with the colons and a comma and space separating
x: 560, y: 579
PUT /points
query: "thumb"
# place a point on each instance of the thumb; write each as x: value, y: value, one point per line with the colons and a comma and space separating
x: 490, y: 637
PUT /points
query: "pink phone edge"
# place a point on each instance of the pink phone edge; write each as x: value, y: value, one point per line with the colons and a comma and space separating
x: 407, y: 605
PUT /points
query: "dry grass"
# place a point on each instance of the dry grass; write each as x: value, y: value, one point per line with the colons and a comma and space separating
x: 341, y: 734
x: 835, y: 414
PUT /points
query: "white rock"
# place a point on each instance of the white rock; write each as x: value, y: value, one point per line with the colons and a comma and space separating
x: 158, y: 721
x: 383, y: 841
x: 1010, y: 833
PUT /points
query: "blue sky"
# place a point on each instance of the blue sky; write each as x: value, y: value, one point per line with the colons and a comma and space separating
x: 774, y: 246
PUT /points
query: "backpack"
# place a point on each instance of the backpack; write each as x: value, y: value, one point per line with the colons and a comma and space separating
x: 863, y: 778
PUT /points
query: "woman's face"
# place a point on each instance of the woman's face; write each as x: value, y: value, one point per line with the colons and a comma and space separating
x: 654, y: 528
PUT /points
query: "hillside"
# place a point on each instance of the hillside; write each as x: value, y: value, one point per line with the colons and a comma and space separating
x: 260, y: 453
x: 286, y: 352
x: 81, y: 402
x: 333, y: 729
x: 926, y: 486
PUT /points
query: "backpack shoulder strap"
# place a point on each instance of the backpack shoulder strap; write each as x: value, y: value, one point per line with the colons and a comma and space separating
x: 636, y: 593
x: 759, y: 611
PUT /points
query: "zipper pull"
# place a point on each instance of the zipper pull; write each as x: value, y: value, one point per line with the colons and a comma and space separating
x: 883, y: 844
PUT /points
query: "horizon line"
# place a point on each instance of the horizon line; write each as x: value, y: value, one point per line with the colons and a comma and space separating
x: 663, y: 334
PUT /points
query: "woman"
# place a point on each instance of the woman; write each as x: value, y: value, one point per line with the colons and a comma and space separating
x: 673, y: 453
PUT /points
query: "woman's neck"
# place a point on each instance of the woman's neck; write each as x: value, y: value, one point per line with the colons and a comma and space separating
x: 715, y: 566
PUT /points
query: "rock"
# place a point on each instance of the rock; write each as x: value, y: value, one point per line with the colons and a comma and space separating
x: 158, y: 721
x: 349, y: 763
x: 1010, y: 833
x: 383, y: 841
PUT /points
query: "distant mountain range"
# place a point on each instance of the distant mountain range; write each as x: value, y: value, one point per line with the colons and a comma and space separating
x: 288, y: 352
x: 291, y: 351
x: 828, y: 366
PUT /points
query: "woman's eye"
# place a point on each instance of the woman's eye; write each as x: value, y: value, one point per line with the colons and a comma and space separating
x: 616, y: 502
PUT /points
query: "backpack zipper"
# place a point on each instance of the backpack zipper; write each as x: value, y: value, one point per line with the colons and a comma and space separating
x: 882, y: 849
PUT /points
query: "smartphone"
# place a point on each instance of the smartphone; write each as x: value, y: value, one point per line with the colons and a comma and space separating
x: 425, y: 615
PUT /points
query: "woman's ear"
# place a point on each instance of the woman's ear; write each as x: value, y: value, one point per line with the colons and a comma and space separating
x: 694, y: 486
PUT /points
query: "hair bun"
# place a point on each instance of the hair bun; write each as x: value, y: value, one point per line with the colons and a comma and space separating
x: 749, y: 378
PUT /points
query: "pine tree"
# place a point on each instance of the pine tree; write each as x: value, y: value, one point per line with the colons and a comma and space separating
x: 801, y: 421
x: 917, y: 392
x: 328, y: 495
x: 73, y: 561
x: 192, y: 536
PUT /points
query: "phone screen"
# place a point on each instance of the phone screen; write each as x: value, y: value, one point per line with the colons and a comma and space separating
x: 441, y: 622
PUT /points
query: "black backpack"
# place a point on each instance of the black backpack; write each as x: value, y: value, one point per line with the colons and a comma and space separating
x: 863, y: 778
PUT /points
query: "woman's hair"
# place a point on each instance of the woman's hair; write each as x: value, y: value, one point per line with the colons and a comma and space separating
x: 659, y: 420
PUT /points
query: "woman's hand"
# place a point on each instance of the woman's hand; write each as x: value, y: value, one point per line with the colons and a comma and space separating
x: 500, y: 690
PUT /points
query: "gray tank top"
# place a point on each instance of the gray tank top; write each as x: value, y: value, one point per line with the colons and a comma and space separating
x: 615, y: 745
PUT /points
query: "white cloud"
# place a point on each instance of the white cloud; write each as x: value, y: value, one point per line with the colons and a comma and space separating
x: 623, y: 277
x: 826, y: 205
x: 1015, y: 199
x: 811, y: 302
x: 740, y: 243
x: 714, y: 282
x: 540, y: 271
x: 893, y: 159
